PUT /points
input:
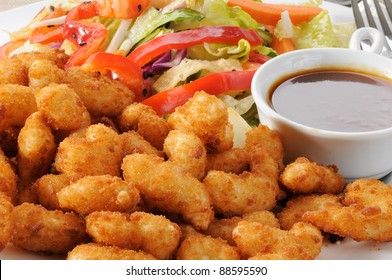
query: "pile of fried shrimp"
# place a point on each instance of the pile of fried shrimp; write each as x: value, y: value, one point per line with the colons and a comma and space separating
x: 87, y: 173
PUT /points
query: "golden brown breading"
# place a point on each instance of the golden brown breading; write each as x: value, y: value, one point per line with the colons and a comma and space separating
x: 17, y: 103
x: 223, y: 228
x: 304, y: 176
x: 40, y: 230
x: 8, y: 178
x: 206, y: 116
x: 96, y: 150
x: 36, y: 149
x: 269, y: 139
x: 153, y: 234
x: 203, y: 247
x: 297, y: 206
x: 61, y: 107
x: 145, y: 121
x: 164, y: 185
x: 187, y: 151
x: 6, y: 209
x: 303, y: 241
x: 98, y: 193
x: 55, y: 55
x: 101, y: 95
x: 47, y: 187
x: 134, y: 143
x: 235, y: 161
x: 13, y: 71
x: 366, y: 215
x: 43, y: 72
x: 92, y: 251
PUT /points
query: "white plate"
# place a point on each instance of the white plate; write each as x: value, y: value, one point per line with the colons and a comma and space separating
x: 347, y: 249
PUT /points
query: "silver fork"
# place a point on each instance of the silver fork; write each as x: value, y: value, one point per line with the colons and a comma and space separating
x: 385, y: 29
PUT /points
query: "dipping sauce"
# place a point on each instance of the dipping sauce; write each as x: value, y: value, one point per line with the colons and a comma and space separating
x: 341, y: 101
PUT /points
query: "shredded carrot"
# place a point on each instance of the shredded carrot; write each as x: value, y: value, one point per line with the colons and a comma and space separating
x: 282, y: 46
x: 270, y: 14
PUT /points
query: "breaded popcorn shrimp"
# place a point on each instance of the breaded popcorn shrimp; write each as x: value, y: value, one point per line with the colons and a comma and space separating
x: 234, y: 160
x: 247, y: 192
x: 47, y: 187
x: 165, y: 186
x: 43, y: 72
x: 206, y: 116
x: 13, y: 71
x: 40, y: 230
x: 17, y: 103
x: 269, y: 139
x: 94, y: 151
x: 223, y: 228
x: 134, y: 143
x: 203, y: 247
x: 304, y: 176
x: 186, y: 150
x: 99, y: 92
x: 92, y: 251
x: 302, y: 242
x: 365, y: 215
x: 96, y: 193
x: 36, y: 149
x: 297, y: 206
x: 61, y: 107
x: 153, y: 234
x: 8, y: 178
x: 6, y: 209
x: 145, y: 121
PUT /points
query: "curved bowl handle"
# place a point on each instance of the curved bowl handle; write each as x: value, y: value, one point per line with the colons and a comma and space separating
x: 375, y: 36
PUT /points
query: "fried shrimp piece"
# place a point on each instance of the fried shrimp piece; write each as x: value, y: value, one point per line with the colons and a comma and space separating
x: 365, y: 215
x: 203, y: 247
x: 247, y: 192
x: 47, y: 187
x: 303, y: 241
x: 8, y: 178
x: 13, y: 71
x: 207, y: 116
x: 234, y: 160
x: 188, y: 151
x: 96, y: 150
x: 6, y: 209
x: 297, y: 206
x: 269, y: 139
x: 61, y: 107
x: 59, y: 57
x: 92, y: 251
x: 96, y: 193
x: 150, y: 233
x: 145, y: 121
x: 43, y: 72
x: 40, y: 230
x: 165, y: 186
x: 134, y: 143
x: 36, y: 151
x: 223, y: 228
x: 98, y: 92
x: 304, y: 176
x: 17, y: 103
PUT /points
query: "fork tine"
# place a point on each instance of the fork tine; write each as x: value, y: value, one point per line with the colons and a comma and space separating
x: 383, y: 21
x: 388, y: 5
x: 370, y: 18
x: 357, y: 14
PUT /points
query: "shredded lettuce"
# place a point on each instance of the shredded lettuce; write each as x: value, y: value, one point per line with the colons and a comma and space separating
x: 188, y: 67
x: 152, y: 19
x: 318, y: 32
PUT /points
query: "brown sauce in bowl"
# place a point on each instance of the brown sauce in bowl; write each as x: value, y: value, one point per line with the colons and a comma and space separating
x: 335, y: 100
